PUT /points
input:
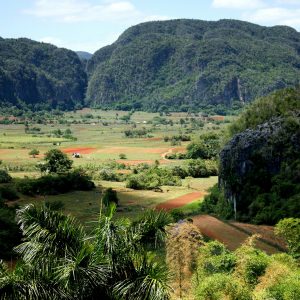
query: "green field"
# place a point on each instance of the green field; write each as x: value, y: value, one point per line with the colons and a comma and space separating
x: 99, y: 138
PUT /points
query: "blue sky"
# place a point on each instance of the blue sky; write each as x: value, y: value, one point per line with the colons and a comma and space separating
x: 90, y: 24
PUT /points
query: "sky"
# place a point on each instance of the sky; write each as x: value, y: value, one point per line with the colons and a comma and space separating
x: 88, y: 25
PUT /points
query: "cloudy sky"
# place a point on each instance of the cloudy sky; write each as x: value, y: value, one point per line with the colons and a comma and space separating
x: 90, y: 24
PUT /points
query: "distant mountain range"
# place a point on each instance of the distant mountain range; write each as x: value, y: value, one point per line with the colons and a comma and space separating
x: 175, y: 65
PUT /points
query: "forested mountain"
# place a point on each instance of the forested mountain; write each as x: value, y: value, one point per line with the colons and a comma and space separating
x: 84, y: 55
x: 41, y: 75
x: 181, y: 64
x: 176, y: 65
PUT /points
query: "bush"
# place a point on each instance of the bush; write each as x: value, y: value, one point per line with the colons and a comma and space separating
x: 55, y: 205
x: 54, y: 184
x: 152, y: 178
x: 122, y: 156
x: 110, y: 196
x: 5, y: 177
x: 10, y: 234
x: 109, y: 175
x: 199, y: 168
x: 8, y: 193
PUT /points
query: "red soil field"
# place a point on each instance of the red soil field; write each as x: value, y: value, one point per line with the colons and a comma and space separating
x: 80, y: 150
x: 217, y: 118
x: 140, y: 161
x: 229, y: 235
x: 180, y: 201
x: 153, y: 139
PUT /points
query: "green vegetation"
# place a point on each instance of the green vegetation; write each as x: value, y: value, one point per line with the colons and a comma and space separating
x: 289, y: 229
x: 60, y: 261
x: 34, y: 152
x: 10, y: 234
x: 244, y: 274
x: 39, y: 76
x: 193, y: 65
x: 260, y: 166
x: 56, y: 162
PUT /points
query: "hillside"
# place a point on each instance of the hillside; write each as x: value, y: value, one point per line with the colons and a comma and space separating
x: 84, y: 55
x: 259, y: 167
x: 37, y: 73
x: 192, y: 64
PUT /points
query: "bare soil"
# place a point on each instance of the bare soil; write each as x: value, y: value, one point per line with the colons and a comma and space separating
x: 180, y: 201
x: 227, y: 234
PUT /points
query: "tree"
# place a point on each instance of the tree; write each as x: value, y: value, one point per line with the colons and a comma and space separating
x: 122, y: 156
x: 289, y: 229
x: 110, y: 196
x: 56, y: 162
x: 34, y: 152
x: 59, y: 261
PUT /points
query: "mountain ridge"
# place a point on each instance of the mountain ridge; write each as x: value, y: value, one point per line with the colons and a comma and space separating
x: 193, y: 63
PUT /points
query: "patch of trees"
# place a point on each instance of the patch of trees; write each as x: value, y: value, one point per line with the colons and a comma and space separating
x: 207, y: 146
x: 152, y: 178
x: 54, y: 184
x: 136, y: 133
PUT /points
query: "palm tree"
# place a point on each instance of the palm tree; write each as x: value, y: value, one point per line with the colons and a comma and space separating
x: 59, y: 261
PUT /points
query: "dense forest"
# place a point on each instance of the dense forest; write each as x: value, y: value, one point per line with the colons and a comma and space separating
x: 260, y: 166
x: 193, y: 64
x: 39, y: 75
x: 186, y: 65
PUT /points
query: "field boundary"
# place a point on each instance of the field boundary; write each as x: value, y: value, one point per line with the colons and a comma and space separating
x: 275, y: 245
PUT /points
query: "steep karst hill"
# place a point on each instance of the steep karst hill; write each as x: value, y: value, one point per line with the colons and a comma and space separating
x: 182, y: 64
x: 39, y: 73
x: 260, y: 165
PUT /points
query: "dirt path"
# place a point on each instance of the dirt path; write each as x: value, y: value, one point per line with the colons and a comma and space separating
x: 180, y: 201
x: 170, y: 151
x: 229, y: 235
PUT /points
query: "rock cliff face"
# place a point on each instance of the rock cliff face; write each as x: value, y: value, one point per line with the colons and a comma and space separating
x: 252, y: 159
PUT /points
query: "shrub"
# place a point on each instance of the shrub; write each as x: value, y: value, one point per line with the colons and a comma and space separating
x: 54, y: 184
x: 55, y: 205
x: 8, y: 193
x: 56, y: 162
x: 110, y: 196
x: 109, y: 175
x: 5, y: 177
x: 122, y: 156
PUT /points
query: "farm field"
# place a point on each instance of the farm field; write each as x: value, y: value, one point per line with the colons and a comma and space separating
x: 98, y: 136
x: 233, y: 236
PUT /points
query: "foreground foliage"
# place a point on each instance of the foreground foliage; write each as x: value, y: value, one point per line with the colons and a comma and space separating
x: 244, y: 274
x: 59, y: 260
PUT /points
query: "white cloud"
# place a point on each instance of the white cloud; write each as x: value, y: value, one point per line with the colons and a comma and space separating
x: 275, y: 15
x: 82, y: 10
x: 238, y: 4
x: 289, y: 2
